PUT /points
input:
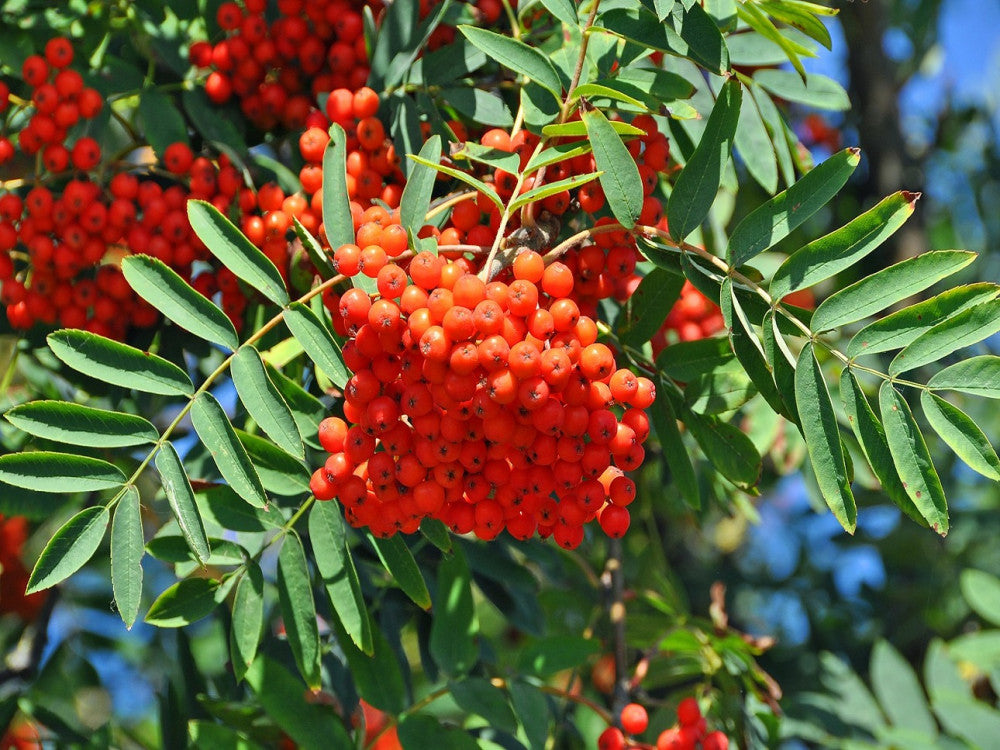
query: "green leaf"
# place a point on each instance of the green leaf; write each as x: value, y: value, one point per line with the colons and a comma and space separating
x: 887, y: 287
x: 219, y: 437
x: 578, y: 129
x: 307, y: 410
x: 119, y: 364
x: 728, y: 449
x: 485, y: 107
x: 759, y: 22
x: 782, y: 362
x: 648, y: 306
x: 377, y: 676
x: 48, y: 471
x: 756, y: 147
x: 398, y: 560
x: 185, y: 602
x: 547, y: 656
x: 436, y: 533
x: 776, y: 127
x: 696, y: 186
x: 563, y: 10
x: 841, y: 249
x: 968, y: 718
x: 312, y: 725
x: 204, y: 733
x: 424, y: 731
x: 979, y: 376
x: 336, y: 566
x: 337, y: 221
x: 982, y: 591
x: 619, y: 174
x: 660, y: 85
x: 961, y: 434
x: 970, y: 326
x: 749, y: 351
x: 181, y: 499
x: 706, y: 45
x: 912, y: 459
x: 279, y: 472
x: 315, y: 251
x: 127, y: 549
x: 317, y: 341
x: 719, y: 392
x: 247, y: 621
x: 478, y: 696
x: 551, y: 188
x: 454, y: 626
x: 644, y: 28
x: 674, y: 450
x: 174, y: 549
x: 81, y: 425
x: 236, y: 252
x: 775, y: 220
x: 298, y: 608
x: 822, y: 436
x: 516, y: 56
x: 898, y: 690
x: 610, y: 89
x: 493, y: 158
x: 532, y: 710
x: 419, y: 189
x: 263, y: 402
x: 898, y: 329
x: 69, y: 549
x: 817, y: 91
x: 871, y: 437
x: 227, y: 509
x: 799, y: 17
x: 686, y: 360
x: 461, y: 176
x: 162, y: 122
x: 165, y: 290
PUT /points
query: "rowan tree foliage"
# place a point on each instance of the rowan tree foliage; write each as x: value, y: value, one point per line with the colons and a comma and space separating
x: 362, y: 353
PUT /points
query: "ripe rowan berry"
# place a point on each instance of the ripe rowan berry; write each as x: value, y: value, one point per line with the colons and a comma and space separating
x: 611, y: 739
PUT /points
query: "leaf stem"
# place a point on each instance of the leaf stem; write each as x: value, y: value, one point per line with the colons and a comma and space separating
x: 209, y: 380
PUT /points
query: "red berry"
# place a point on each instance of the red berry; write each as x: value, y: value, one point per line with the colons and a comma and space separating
x: 611, y: 739
x: 688, y: 712
x: 59, y: 52
x: 634, y: 718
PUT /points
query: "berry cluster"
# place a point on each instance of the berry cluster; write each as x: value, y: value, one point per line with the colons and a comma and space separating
x: 13, y: 573
x: 487, y: 406
x: 690, y: 732
x: 73, y: 240
x: 59, y: 101
x: 277, y: 68
x: 692, y: 317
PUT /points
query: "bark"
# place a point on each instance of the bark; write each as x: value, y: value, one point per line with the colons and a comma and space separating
x: 874, y: 90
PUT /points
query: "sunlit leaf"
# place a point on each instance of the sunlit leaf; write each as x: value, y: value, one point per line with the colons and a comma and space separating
x: 235, y: 251
x: 70, y: 548
x: 119, y: 364
x: 822, y: 436
x: 77, y: 424
x: 127, y: 549
x: 912, y: 459
x: 695, y: 188
x: 219, y: 437
x: 164, y: 289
